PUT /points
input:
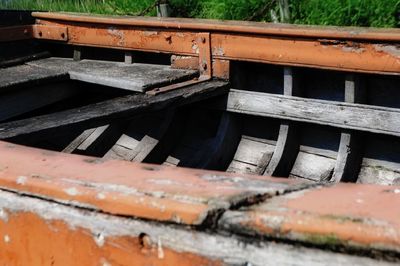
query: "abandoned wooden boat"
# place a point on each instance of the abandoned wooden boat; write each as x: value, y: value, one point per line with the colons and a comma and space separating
x: 317, y: 105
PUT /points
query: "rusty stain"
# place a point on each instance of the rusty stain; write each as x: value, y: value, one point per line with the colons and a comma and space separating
x: 315, y: 53
x: 237, y: 27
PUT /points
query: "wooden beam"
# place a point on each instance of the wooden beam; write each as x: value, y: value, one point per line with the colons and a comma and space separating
x: 141, y: 137
x: 287, y: 145
x: 25, y: 75
x: 349, y: 157
x: 23, y: 59
x: 99, y: 113
x: 96, y: 141
x: 367, y: 118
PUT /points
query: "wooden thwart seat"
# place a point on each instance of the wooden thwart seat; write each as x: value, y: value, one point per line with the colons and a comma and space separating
x: 123, y: 107
x: 29, y: 74
x: 133, y: 77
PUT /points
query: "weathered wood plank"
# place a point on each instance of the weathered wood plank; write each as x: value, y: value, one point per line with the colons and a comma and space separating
x: 252, y: 156
x: 312, y: 167
x: 133, y: 77
x: 101, y: 140
x: 23, y: 59
x: 27, y: 75
x: 379, y: 172
x: 343, y: 115
x: 349, y: 157
x: 123, y: 107
x: 287, y: 146
x: 104, y: 238
x: 78, y: 140
x: 141, y: 137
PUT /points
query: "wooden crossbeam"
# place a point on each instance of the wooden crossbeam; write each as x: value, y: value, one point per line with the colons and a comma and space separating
x: 123, y: 107
x: 367, y: 118
x: 133, y: 77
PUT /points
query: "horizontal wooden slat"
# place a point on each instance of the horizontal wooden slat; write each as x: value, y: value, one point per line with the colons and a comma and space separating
x: 337, y: 114
x: 124, y: 107
x: 27, y: 75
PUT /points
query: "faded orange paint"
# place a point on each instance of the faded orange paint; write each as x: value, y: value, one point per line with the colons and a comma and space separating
x: 344, y: 214
x: 185, y: 62
x: 58, y: 33
x: 303, y: 31
x: 153, y: 192
x: 343, y: 49
x: 309, y: 53
x: 221, y: 68
x: 27, y: 239
x: 148, y: 39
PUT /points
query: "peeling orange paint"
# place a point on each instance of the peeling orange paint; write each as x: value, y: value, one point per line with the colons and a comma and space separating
x: 27, y: 239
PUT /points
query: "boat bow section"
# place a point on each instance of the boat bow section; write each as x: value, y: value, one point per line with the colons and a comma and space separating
x: 153, y: 141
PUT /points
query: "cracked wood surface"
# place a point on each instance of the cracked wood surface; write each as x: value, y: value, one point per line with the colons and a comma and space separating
x: 150, y: 192
x: 344, y: 215
x: 38, y: 232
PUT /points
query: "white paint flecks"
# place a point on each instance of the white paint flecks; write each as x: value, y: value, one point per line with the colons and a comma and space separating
x: 104, y: 262
x: 72, y: 191
x: 7, y: 239
x: 397, y: 191
x: 99, y: 239
x: 3, y: 215
x: 160, y: 250
x: 101, y: 196
x: 21, y: 180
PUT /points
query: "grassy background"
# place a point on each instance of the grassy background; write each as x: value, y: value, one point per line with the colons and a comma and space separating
x: 375, y: 13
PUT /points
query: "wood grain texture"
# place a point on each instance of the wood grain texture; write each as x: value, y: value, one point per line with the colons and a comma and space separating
x: 312, y: 167
x: 103, y: 232
x: 252, y: 156
x: 133, y: 77
x: 24, y: 75
x: 343, y: 115
x: 123, y: 107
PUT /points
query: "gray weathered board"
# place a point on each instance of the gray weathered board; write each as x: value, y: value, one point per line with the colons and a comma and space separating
x: 133, y: 77
x: 226, y: 249
x: 28, y: 74
x: 98, y: 114
x: 338, y: 114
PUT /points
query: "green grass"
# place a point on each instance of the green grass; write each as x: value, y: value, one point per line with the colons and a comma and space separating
x: 375, y: 13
